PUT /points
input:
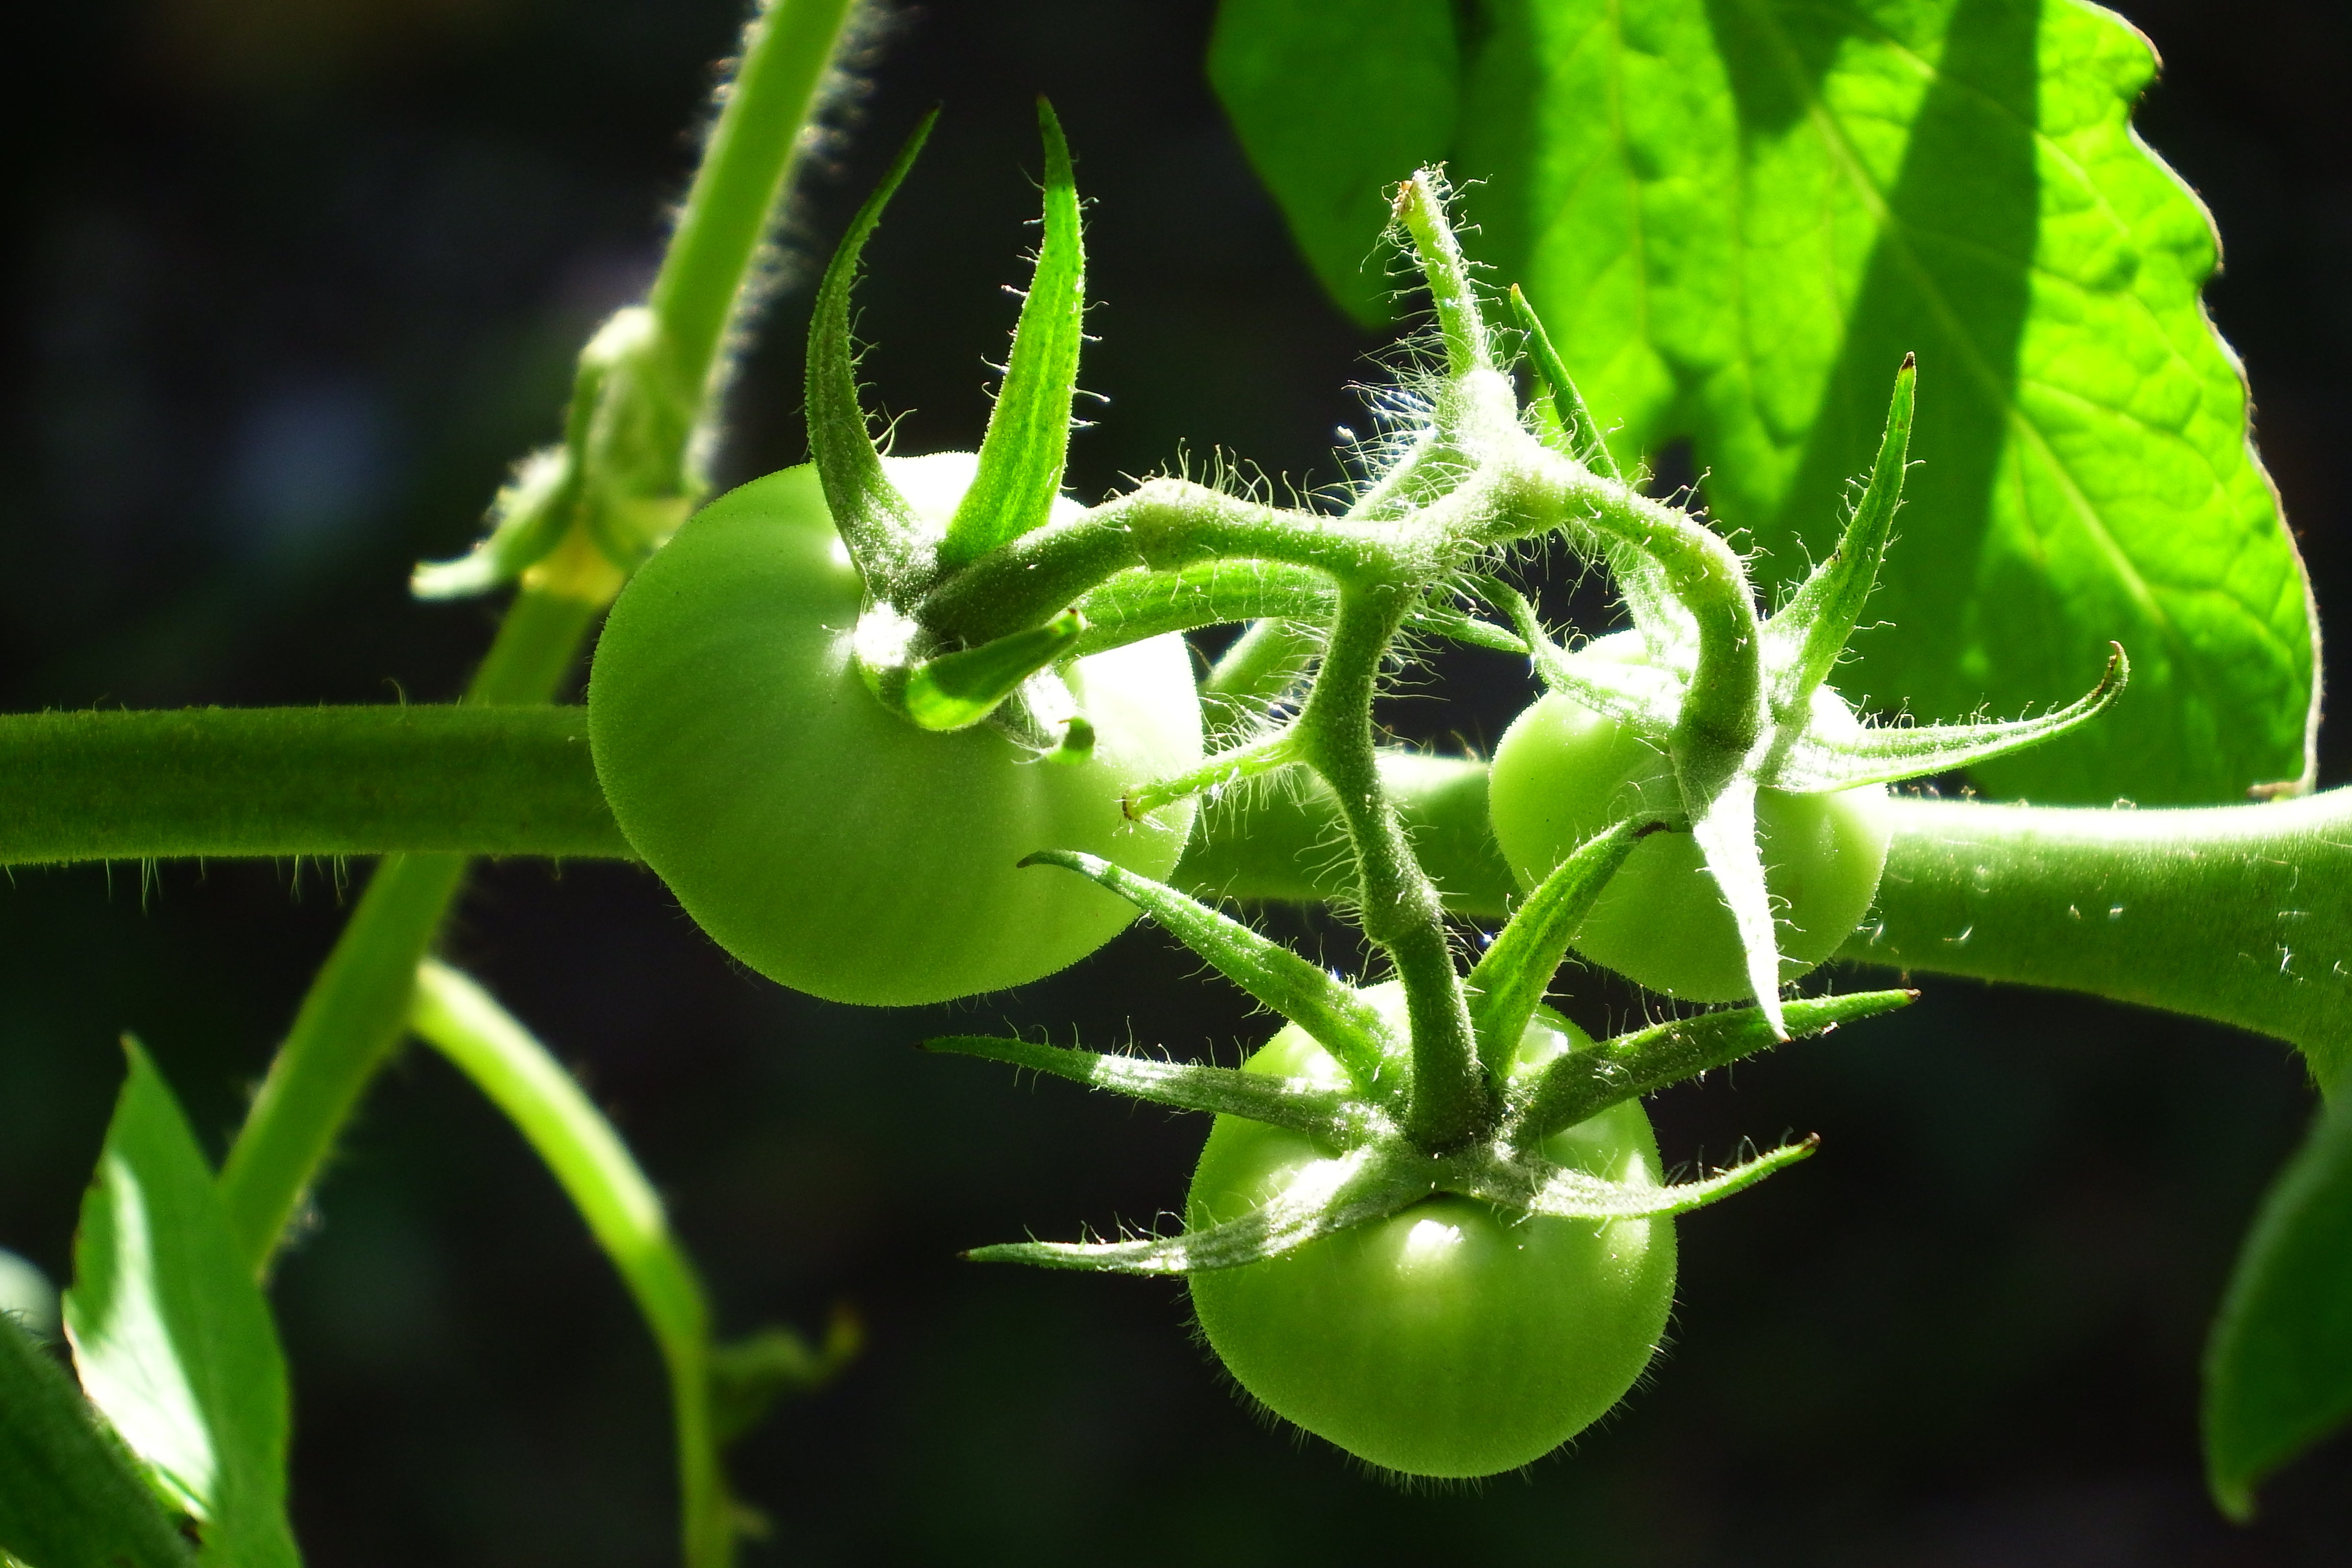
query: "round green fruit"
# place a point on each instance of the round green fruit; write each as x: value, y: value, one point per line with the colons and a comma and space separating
x: 1564, y: 772
x: 1450, y: 1340
x: 824, y: 840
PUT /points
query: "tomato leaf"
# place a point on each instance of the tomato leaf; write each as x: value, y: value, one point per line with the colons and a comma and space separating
x: 1735, y: 215
x: 2278, y: 1367
x: 1296, y: 1103
x: 171, y: 1335
x: 68, y: 1495
x: 1028, y: 439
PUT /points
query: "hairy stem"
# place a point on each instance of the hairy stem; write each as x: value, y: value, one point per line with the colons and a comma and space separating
x: 2238, y: 913
x: 351, y: 1018
x: 210, y: 782
x: 1397, y: 903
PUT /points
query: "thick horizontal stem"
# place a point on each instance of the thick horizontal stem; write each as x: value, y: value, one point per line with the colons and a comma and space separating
x: 221, y: 782
x: 2238, y: 913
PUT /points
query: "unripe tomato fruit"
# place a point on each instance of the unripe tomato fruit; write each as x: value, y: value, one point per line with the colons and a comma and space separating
x: 824, y: 840
x: 1448, y: 1339
x: 1564, y: 772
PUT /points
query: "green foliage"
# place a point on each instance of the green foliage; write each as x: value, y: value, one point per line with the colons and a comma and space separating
x: 2278, y: 1370
x: 68, y: 1495
x: 172, y: 1337
x: 1736, y: 215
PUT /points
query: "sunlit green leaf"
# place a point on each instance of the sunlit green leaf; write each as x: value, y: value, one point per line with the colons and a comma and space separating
x: 69, y: 1498
x: 171, y: 1335
x: 2278, y: 1368
x: 1738, y: 215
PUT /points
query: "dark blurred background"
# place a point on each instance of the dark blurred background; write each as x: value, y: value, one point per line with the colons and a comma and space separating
x: 289, y: 282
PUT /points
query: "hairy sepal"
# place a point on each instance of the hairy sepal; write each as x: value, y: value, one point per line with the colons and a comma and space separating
x: 1297, y: 1104
x: 1028, y: 440
x: 1335, y: 1014
x: 1578, y: 1084
x: 1538, y: 1187
x: 1508, y: 983
x: 1811, y: 630
x: 957, y: 690
x: 1370, y: 1183
x: 890, y: 544
x: 1817, y: 763
x: 1332, y: 1196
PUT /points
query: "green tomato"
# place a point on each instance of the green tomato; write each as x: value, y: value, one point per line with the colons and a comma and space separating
x: 1564, y: 772
x: 1448, y: 1339
x: 824, y: 840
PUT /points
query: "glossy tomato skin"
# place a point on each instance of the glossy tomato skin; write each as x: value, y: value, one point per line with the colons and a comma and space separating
x: 1448, y: 1339
x: 1564, y: 772
x: 824, y: 841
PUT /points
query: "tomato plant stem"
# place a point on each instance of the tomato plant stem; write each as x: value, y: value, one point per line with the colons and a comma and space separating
x: 575, y: 1140
x: 358, y: 1005
x: 1398, y: 905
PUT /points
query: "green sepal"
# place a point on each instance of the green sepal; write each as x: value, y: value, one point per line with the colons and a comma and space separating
x: 2278, y: 1366
x: 1556, y: 387
x: 1724, y: 828
x: 1537, y: 1186
x: 1815, y: 763
x: 749, y: 1376
x: 1028, y: 440
x: 1508, y: 983
x: 1138, y: 604
x: 1645, y: 696
x: 1267, y: 753
x: 527, y: 521
x: 1380, y: 1179
x: 69, y: 1496
x: 886, y: 539
x: 1812, y: 628
x: 1356, y: 1189
x: 1295, y: 1103
x: 1336, y: 1016
x: 1582, y: 1084
x: 957, y: 690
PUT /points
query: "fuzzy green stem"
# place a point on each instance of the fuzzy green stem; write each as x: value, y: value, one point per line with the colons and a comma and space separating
x: 210, y: 782
x: 572, y: 1139
x: 1421, y: 208
x: 2238, y: 913
x: 351, y: 1018
x: 746, y: 167
x: 1264, y: 665
x: 1397, y: 904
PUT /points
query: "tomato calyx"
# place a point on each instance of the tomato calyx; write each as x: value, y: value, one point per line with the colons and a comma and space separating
x: 1733, y: 714
x: 1376, y: 1166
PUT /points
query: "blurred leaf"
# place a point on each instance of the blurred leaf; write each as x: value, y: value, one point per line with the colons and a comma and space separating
x: 171, y: 1335
x: 2278, y: 1368
x: 749, y: 1376
x: 1738, y: 215
x: 69, y: 1498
